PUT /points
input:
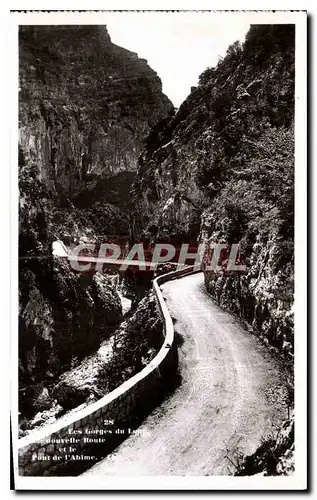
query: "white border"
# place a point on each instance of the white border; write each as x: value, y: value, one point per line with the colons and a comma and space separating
x: 298, y: 481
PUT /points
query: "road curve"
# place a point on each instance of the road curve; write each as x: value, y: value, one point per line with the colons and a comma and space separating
x: 232, y: 394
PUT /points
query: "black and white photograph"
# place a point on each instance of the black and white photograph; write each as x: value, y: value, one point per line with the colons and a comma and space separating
x: 160, y: 178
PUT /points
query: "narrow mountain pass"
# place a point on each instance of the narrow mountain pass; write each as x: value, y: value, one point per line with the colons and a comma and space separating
x: 232, y: 394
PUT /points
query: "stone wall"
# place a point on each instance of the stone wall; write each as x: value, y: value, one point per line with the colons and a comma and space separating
x: 75, y: 442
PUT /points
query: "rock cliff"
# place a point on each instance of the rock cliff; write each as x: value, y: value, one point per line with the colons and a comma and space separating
x: 220, y: 170
x: 85, y: 106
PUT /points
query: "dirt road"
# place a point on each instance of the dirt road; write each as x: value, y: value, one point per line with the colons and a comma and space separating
x: 231, y: 395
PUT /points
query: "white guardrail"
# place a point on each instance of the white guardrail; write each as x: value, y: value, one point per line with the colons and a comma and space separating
x: 39, y: 451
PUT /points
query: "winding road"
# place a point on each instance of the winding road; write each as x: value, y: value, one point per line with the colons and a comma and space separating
x: 232, y: 394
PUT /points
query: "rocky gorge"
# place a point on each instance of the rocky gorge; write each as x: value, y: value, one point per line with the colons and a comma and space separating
x: 104, y: 153
x: 85, y: 108
x: 221, y: 170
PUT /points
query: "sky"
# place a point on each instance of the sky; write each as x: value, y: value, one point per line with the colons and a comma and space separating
x: 178, y: 46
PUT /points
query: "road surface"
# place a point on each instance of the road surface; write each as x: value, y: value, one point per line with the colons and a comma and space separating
x: 231, y: 395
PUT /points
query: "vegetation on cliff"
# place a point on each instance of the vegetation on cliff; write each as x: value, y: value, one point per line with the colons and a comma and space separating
x: 222, y: 169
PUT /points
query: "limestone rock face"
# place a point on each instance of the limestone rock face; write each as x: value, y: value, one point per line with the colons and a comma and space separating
x: 85, y: 105
x: 221, y: 170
